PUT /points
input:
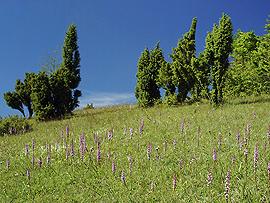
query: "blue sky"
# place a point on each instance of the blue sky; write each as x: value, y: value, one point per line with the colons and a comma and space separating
x: 112, y: 35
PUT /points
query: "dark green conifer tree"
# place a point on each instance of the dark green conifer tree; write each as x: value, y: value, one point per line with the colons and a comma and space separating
x: 218, y: 48
x: 71, y: 68
x: 183, y: 57
x: 147, y: 91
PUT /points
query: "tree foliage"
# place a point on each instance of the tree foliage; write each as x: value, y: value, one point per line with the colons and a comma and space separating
x: 13, y: 100
x: 165, y: 78
x: 183, y: 58
x: 51, y: 94
x: 147, y: 90
x: 23, y: 89
x: 217, y: 51
x: 41, y: 96
x: 249, y: 73
x: 200, y: 89
x: 70, y: 69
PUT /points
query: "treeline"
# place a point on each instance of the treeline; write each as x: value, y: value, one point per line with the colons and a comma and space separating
x: 229, y: 66
x: 51, y: 95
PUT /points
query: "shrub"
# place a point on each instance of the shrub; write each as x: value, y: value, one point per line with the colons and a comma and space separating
x: 14, y: 125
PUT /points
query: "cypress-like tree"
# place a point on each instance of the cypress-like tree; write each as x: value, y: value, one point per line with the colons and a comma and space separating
x: 142, y: 90
x: 71, y: 67
x: 13, y: 100
x: 218, y: 49
x: 183, y: 62
x: 156, y: 61
x: 147, y: 90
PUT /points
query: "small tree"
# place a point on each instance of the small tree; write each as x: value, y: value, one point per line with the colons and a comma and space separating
x: 71, y: 67
x: 243, y: 77
x: 156, y: 61
x: 13, y: 101
x: 23, y: 89
x: 142, y: 90
x: 183, y: 63
x: 218, y: 49
x: 147, y: 90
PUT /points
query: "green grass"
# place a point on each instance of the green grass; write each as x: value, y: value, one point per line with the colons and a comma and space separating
x: 74, y: 180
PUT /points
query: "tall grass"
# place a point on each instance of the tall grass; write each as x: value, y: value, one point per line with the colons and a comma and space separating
x: 172, y: 159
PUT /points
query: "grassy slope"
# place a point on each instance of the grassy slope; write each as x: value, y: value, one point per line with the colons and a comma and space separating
x: 76, y: 180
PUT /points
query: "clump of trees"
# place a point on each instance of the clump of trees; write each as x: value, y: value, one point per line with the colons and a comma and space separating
x: 228, y: 66
x: 249, y: 72
x: 50, y: 95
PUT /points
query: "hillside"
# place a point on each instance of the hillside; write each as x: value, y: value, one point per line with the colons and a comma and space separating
x: 185, y: 153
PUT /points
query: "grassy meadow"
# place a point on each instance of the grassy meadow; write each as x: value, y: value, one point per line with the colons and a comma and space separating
x: 193, y: 153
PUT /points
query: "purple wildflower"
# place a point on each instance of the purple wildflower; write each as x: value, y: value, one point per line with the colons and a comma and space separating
x: 174, y: 144
x: 141, y: 127
x: 268, y: 133
x: 149, y: 150
x: 8, y: 164
x: 227, y: 185
x: 67, y: 153
x: 113, y: 167
x: 198, y: 135
x: 110, y: 134
x: 246, y: 153
x: 157, y: 156
x: 72, y: 152
x: 152, y: 186
x: 33, y: 145
x: 131, y: 132
x: 233, y: 159
x: 174, y: 182
x: 67, y: 131
x: 219, y: 141
x: 256, y: 156
x: 238, y: 137
x: 33, y: 160
x: 181, y: 163
x: 123, y: 178
x: 209, y: 178
x: 109, y: 155
x: 48, y: 159
x: 82, y: 146
x: 214, y: 154
x: 241, y: 144
x: 40, y: 162
x: 182, y: 126
x: 165, y: 145
x: 27, y: 150
x: 268, y: 169
x: 130, y: 164
x: 95, y: 138
x: 57, y: 146
x: 28, y: 174
x: 98, y: 152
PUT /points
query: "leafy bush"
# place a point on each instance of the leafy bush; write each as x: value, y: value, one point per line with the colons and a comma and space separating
x: 14, y: 125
